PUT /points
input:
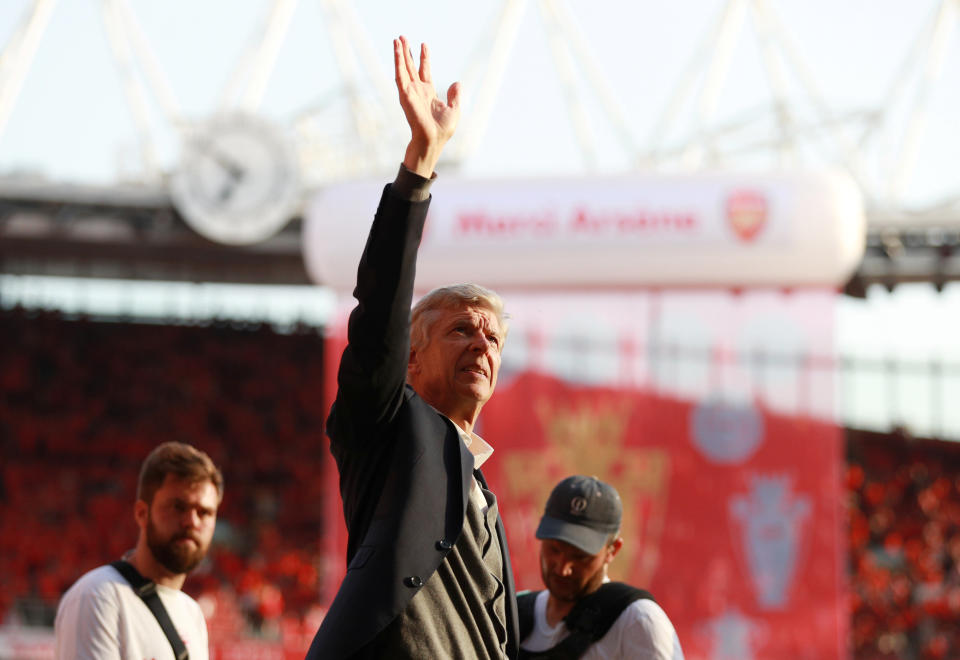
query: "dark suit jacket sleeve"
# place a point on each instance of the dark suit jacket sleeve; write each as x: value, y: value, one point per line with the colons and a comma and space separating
x: 374, y: 364
x: 373, y: 367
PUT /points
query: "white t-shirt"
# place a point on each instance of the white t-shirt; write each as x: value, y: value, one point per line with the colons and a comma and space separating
x: 101, y: 616
x: 641, y: 632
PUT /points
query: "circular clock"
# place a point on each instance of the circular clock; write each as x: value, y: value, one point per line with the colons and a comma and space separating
x: 238, y: 179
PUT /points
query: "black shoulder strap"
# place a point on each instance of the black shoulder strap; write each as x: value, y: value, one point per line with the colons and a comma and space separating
x: 596, y: 613
x: 526, y: 601
x: 147, y: 590
x: 590, y: 619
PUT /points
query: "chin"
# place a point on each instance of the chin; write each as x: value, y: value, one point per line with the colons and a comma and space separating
x: 564, y: 592
x: 478, y: 394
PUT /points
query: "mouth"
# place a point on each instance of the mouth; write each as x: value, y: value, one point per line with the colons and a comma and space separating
x: 475, y: 369
x: 561, y: 585
x: 181, y: 539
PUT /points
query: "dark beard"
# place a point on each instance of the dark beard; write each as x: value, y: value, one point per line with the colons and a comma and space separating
x: 177, y: 559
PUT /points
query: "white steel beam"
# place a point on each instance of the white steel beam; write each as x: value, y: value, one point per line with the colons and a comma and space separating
x: 247, y: 84
x: 564, y: 67
x: 777, y: 79
x: 18, y: 54
x: 363, y: 118
x: 123, y: 57
x: 844, y: 149
x: 712, y: 54
x: 595, y: 75
x: 906, y: 160
x: 495, y: 64
x: 150, y: 67
x: 719, y: 57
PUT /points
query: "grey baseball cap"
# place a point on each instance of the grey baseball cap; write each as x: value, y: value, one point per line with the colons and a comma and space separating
x: 581, y: 511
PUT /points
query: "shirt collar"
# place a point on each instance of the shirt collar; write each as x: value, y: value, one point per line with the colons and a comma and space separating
x: 479, y: 447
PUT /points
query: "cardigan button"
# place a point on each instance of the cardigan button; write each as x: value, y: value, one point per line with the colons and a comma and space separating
x: 414, y: 581
x: 443, y: 545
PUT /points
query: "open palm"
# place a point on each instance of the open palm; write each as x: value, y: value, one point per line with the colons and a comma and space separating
x: 432, y: 121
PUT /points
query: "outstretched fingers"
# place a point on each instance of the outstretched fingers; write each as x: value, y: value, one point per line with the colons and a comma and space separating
x: 409, y: 65
x: 453, y: 96
x: 425, y: 75
x: 399, y: 66
x: 432, y: 121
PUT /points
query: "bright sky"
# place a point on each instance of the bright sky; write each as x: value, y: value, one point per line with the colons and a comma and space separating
x: 71, y: 120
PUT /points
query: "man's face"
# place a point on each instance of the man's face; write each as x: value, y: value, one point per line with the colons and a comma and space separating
x: 458, y: 366
x: 569, y: 573
x: 179, y: 523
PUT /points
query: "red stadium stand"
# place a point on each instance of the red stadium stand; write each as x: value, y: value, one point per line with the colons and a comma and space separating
x: 82, y: 404
x: 904, y: 511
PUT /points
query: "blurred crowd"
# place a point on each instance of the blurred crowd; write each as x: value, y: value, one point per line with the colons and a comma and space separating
x: 83, y: 402
x: 904, y: 513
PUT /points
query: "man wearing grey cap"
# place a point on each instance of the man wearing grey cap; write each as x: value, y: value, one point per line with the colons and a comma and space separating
x: 582, y: 614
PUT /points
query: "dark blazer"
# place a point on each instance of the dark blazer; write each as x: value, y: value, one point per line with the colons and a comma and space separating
x: 404, y: 471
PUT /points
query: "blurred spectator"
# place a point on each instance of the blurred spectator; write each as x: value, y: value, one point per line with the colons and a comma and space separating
x: 82, y: 402
x: 904, y: 513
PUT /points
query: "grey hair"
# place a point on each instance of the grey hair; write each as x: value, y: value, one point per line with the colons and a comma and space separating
x: 454, y: 296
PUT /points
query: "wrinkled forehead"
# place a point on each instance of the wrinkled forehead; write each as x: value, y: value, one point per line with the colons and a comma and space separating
x: 475, y: 314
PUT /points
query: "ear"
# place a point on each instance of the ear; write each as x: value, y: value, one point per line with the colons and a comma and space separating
x: 613, y: 549
x: 141, y: 512
x: 413, y: 364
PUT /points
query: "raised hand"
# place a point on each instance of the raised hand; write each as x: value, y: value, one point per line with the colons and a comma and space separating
x: 432, y: 121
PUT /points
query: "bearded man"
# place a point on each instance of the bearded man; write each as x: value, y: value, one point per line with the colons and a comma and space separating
x: 581, y: 613
x: 111, y: 612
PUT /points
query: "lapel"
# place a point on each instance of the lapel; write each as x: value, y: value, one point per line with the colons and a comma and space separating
x: 468, y: 473
x: 513, y: 626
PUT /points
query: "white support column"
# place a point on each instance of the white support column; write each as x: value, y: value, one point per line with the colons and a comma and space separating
x: 844, y: 149
x: 247, y: 84
x: 712, y: 54
x: 150, y: 67
x: 123, y: 57
x: 368, y: 57
x: 564, y: 66
x: 338, y: 29
x: 595, y: 76
x: 495, y: 63
x: 17, y: 56
x: 719, y: 67
x: 906, y: 160
x: 777, y: 79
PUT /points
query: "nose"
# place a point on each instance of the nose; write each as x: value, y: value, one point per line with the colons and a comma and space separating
x: 480, y: 343
x: 564, y: 568
x: 191, y: 519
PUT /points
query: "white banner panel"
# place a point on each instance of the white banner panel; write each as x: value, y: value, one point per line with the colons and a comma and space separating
x: 790, y: 229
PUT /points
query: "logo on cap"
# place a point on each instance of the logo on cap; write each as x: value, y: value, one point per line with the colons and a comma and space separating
x: 578, y: 505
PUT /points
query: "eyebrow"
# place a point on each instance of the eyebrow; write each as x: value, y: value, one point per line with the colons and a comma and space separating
x: 179, y: 501
x: 465, y: 317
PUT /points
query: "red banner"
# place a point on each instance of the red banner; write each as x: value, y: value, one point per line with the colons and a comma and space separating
x: 731, y: 486
x: 731, y: 514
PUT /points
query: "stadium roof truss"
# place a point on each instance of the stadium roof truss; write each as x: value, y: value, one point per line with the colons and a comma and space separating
x: 133, y: 230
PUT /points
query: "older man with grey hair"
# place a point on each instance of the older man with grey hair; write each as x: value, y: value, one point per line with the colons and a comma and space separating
x: 428, y: 572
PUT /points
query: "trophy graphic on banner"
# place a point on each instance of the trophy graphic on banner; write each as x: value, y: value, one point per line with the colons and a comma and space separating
x: 771, y: 518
